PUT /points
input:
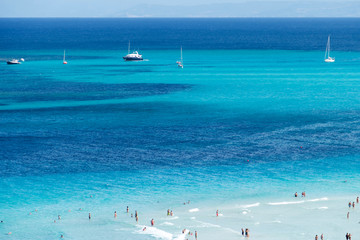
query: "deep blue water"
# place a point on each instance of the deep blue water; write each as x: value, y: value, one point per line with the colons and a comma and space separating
x: 267, y: 33
x: 100, y: 114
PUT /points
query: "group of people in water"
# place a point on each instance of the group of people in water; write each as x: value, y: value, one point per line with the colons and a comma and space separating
x: 170, y: 212
x: 348, y: 236
x: 303, y: 194
x: 246, y: 232
x: 321, y: 237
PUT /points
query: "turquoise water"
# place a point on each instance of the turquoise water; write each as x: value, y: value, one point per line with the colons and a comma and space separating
x: 254, y: 116
x: 294, y: 117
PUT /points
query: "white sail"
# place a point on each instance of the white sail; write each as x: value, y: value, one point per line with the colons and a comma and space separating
x: 180, y: 63
x: 327, y: 52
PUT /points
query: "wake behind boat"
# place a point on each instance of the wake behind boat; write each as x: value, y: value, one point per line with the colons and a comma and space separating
x: 135, y: 56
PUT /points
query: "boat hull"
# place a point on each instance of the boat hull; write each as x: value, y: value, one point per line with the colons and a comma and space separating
x: 132, y: 59
x: 12, y: 63
x: 329, y: 60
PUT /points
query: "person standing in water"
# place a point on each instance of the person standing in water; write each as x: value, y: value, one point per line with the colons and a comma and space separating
x: 357, y: 200
x: 89, y: 216
x: 217, y: 213
x: 152, y: 222
x: 296, y: 194
x: 322, y: 236
x: 115, y: 214
x: 137, y: 219
x: 127, y: 209
x: 247, y: 232
x: 348, y: 214
x: 195, y: 235
x: 316, y: 237
x: 242, y: 232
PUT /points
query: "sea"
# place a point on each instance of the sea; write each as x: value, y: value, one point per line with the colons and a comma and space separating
x: 254, y: 116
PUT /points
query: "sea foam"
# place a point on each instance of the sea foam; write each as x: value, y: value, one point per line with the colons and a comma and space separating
x: 194, y: 210
x: 155, y: 232
x: 182, y: 236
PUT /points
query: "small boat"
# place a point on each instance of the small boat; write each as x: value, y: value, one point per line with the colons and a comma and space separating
x: 64, y: 61
x: 135, y: 56
x: 21, y: 59
x: 327, y: 52
x: 13, y: 61
x: 180, y: 63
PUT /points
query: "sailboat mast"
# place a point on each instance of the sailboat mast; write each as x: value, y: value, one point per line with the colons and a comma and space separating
x: 329, y: 46
x: 181, y: 58
x: 64, y: 56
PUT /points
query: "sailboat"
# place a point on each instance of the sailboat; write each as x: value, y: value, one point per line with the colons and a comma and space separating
x: 180, y: 63
x: 135, y: 56
x: 64, y: 61
x: 327, y: 52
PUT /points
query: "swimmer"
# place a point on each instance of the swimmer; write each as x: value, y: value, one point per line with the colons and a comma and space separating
x: 195, y: 235
x: 80, y: 209
x: 152, y: 222
x: 9, y: 233
x: 144, y: 228
x: 59, y: 217
x: 89, y: 216
x: 217, y: 213
x: 62, y: 236
x: 296, y: 194
x: 115, y: 214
